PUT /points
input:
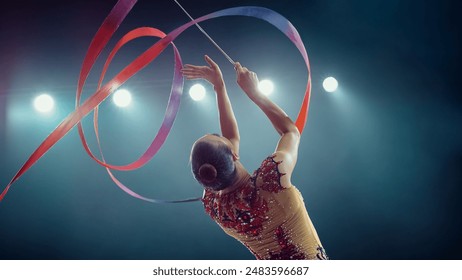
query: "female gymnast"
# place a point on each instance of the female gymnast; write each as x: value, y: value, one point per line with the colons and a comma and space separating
x: 263, y: 211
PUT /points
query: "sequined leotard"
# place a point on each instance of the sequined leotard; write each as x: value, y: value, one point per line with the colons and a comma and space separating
x: 271, y: 221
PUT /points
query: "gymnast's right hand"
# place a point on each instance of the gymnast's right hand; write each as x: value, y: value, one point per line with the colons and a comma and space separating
x: 247, y: 80
x: 211, y: 73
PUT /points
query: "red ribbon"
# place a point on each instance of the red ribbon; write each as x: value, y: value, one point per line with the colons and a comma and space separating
x: 103, y: 35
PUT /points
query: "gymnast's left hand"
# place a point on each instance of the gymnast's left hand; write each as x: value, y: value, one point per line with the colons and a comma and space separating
x: 211, y: 73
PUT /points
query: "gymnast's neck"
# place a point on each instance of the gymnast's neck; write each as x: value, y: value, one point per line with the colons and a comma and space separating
x: 242, y: 179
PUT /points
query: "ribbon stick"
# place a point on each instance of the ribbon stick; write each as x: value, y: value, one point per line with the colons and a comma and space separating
x: 206, y: 34
x: 101, y: 38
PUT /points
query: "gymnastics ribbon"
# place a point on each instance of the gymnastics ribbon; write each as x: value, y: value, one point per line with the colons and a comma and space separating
x: 100, y: 40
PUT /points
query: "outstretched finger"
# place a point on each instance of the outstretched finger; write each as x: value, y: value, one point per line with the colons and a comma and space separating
x: 186, y: 71
x: 190, y: 70
x: 193, y: 77
x: 211, y: 62
x: 190, y: 66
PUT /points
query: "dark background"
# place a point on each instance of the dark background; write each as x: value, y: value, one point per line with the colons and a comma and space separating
x: 380, y: 163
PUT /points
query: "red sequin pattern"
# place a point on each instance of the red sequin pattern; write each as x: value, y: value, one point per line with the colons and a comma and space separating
x: 288, y: 250
x: 243, y: 210
x: 270, y: 175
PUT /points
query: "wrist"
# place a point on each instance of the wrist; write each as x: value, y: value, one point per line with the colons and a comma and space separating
x: 254, y: 95
x: 219, y: 86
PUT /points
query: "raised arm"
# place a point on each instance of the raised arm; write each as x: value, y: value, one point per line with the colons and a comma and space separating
x: 287, y: 147
x: 213, y: 75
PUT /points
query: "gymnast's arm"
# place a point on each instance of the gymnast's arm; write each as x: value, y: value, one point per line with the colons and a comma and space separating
x: 213, y: 75
x: 287, y: 147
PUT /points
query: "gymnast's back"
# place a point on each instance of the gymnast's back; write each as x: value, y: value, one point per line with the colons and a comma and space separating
x: 265, y: 215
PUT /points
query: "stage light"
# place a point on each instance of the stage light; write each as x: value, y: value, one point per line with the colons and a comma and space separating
x: 330, y: 84
x: 266, y: 87
x: 122, y: 98
x: 197, y: 92
x: 44, y: 103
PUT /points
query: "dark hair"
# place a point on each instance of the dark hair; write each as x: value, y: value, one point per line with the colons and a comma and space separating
x: 213, y: 165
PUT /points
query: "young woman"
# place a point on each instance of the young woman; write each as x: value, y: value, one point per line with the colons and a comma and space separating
x: 264, y: 211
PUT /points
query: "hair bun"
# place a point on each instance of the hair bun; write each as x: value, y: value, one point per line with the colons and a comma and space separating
x: 207, y: 172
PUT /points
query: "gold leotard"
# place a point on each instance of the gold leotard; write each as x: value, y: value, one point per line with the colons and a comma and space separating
x: 270, y: 220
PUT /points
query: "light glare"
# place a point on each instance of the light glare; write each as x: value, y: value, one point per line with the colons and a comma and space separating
x: 122, y: 98
x: 44, y: 103
x: 330, y: 84
x: 197, y: 92
x: 266, y: 87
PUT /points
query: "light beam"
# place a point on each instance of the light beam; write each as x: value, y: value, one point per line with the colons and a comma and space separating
x: 44, y: 103
x: 266, y: 87
x: 122, y: 98
x: 197, y: 92
x: 330, y: 84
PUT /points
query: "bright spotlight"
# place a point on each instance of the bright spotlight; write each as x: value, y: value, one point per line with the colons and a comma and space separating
x: 197, y: 92
x: 266, y: 87
x: 330, y: 84
x: 44, y: 103
x: 122, y: 98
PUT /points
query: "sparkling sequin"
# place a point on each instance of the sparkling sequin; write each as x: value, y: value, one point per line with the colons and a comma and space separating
x: 243, y: 210
x: 270, y: 175
x: 288, y: 250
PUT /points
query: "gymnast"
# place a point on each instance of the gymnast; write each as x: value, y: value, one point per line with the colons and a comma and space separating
x: 263, y: 211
